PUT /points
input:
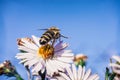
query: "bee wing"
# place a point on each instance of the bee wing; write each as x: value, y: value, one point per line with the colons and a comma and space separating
x: 42, y: 29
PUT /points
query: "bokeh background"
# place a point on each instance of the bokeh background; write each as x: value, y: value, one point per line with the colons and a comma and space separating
x: 93, y: 28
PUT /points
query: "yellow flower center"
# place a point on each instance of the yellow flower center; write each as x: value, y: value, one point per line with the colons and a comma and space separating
x: 46, y: 51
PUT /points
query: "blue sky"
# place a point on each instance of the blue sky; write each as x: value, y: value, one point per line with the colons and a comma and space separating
x: 92, y: 26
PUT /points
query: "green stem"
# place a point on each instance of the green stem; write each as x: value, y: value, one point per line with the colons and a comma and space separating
x: 107, y: 74
x: 106, y: 78
x: 18, y: 77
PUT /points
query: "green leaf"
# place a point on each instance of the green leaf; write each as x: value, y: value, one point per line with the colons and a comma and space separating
x: 112, y: 76
x: 81, y: 62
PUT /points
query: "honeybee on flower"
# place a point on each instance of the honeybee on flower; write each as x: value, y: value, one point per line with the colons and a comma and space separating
x: 51, y: 34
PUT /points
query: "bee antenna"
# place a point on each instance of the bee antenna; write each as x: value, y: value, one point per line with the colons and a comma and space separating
x: 63, y: 36
x: 42, y: 29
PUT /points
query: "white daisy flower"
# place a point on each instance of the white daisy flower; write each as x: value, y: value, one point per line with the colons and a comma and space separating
x: 116, y: 78
x: 80, y: 57
x: 80, y: 74
x: 116, y: 65
x: 51, y: 58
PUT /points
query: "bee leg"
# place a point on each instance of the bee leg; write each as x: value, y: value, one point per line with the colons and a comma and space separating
x: 51, y: 41
x: 54, y: 40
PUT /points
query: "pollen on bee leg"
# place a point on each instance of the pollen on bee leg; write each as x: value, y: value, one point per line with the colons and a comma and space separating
x: 46, y: 51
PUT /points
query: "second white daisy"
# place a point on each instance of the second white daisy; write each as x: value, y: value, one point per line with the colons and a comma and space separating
x: 80, y: 74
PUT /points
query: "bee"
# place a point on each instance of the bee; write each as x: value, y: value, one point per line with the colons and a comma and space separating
x: 51, y: 34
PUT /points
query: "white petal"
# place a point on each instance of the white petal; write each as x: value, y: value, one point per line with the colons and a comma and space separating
x: 37, y: 67
x: 23, y: 61
x: 61, y: 53
x: 83, y: 73
x: 53, y: 65
x: 32, y: 62
x: 70, y: 73
x: 115, y: 65
x: 26, y: 49
x: 60, y: 46
x: 93, y: 77
x: 79, y: 72
x: 38, y: 78
x: 87, y: 74
x: 35, y: 74
x: 29, y: 45
x: 43, y: 70
x: 61, y: 78
x: 67, y: 54
x: 74, y: 71
x: 65, y: 76
x: 53, y: 79
x: 97, y: 78
x: 25, y: 55
x: 65, y: 59
x: 57, y: 65
x: 36, y: 40
x: 63, y: 64
x: 116, y: 78
x: 117, y: 58
x: 116, y: 70
x: 50, y: 68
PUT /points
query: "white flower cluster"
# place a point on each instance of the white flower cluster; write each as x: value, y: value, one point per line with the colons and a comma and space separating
x: 54, y: 62
x: 115, y: 66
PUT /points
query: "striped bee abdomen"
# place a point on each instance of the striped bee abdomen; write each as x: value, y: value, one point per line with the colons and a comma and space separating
x: 46, y: 37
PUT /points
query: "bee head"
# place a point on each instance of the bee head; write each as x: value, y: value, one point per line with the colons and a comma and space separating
x: 54, y: 28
